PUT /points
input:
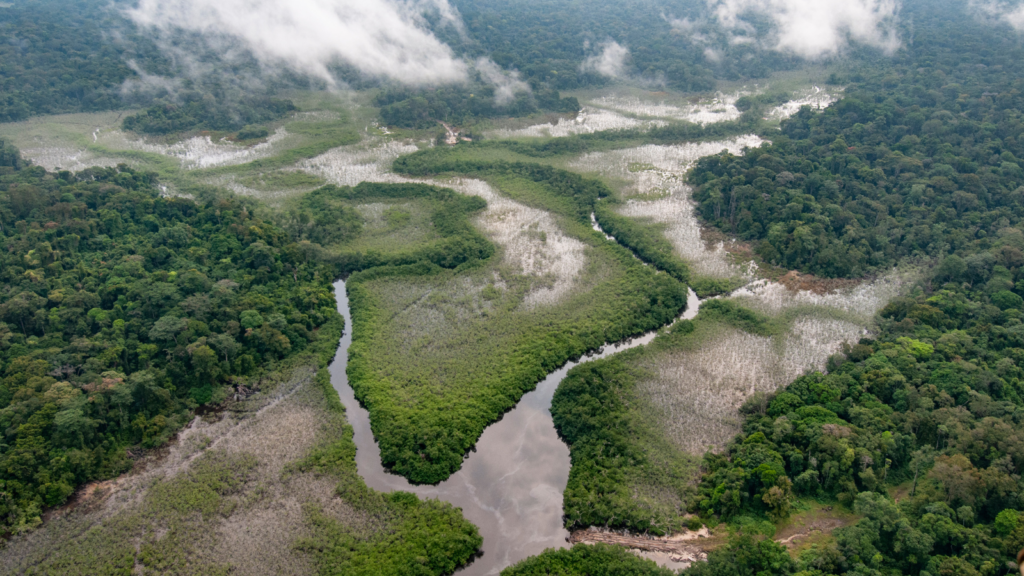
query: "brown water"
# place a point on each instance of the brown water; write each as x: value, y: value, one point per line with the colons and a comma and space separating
x: 511, y: 486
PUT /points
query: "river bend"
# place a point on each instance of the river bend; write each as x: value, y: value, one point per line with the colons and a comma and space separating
x: 511, y: 486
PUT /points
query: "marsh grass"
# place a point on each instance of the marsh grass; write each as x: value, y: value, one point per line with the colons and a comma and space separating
x: 656, y: 195
x: 588, y: 120
x: 706, y: 110
x: 393, y: 226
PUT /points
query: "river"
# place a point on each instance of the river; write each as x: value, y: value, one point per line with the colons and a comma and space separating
x: 511, y: 485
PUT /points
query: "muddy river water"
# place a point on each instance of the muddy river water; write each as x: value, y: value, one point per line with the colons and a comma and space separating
x: 511, y: 486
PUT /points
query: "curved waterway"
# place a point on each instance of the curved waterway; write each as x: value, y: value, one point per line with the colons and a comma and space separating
x: 511, y: 485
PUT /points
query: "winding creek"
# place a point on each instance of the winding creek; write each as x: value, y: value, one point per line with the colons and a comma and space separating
x: 511, y: 485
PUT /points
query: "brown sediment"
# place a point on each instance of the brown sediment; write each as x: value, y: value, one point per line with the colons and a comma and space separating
x: 90, y: 496
x: 742, y: 252
x: 680, y: 546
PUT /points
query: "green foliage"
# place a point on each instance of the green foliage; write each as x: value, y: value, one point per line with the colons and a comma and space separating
x: 615, y: 451
x: 740, y: 317
x: 421, y: 538
x: 430, y: 413
x: 411, y: 108
x: 198, y: 111
x: 326, y: 216
x: 919, y: 159
x: 251, y: 132
x: 324, y: 136
x: 59, y: 59
x: 647, y: 242
x: 936, y: 401
x: 119, y: 310
x: 589, y: 560
x: 745, y: 555
x: 425, y: 538
x: 201, y: 489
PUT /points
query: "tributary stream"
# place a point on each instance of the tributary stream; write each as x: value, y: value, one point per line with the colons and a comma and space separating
x: 511, y: 485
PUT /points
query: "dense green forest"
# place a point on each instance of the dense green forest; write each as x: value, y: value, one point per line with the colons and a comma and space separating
x: 196, y: 110
x: 548, y: 41
x: 120, y: 311
x: 914, y: 430
x: 62, y: 58
x: 932, y: 405
x: 57, y: 57
x: 411, y: 108
x: 919, y: 159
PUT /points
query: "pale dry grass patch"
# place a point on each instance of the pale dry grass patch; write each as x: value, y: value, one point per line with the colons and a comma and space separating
x: 531, y: 242
x: 657, y: 192
x: 862, y: 301
x: 682, y: 229
x: 717, y: 108
x: 699, y: 391
x: 588, y: 119
x: 278, y: 426
x: 656, y: 168
x: 65, y: 158
x: 368, y: 161
x: 815, y: 98
x: 199, y: 151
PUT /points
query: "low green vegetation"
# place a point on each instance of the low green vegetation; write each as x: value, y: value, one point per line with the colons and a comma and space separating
x: 647, y: 241
x: 626, y: 471
x: 596, y: 560
x: 408, y: 536
x: 440, y: 235
x: 319, y: 137
x: 441, y: 354
x: 747, y: 555
x: 120, y: 311
x: 574, y: 193
x: 278, y: 180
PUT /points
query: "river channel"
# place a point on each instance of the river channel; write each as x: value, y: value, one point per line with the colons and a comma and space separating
x: 511, y: 486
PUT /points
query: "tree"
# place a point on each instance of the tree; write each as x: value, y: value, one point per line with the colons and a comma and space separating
x: 168, y: 328
x: 21, y: 309
x: 961, y: 480
x: 72, y: 423
x: 225, y: 345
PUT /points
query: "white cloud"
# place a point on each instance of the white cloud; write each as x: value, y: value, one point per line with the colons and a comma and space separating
x: 506, y: 84
x: 386, y: 38
x: 815, y: 28
x: 1010, y: 12
x: 610, y: 62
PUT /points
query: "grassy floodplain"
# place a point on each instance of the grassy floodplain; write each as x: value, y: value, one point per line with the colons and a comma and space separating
x: 443, y: 348
x: 268, y: 486
x: 638, y: 423
x: 460, y: 306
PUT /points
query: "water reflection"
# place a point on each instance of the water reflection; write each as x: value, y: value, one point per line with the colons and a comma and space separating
x: 511, y: 486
